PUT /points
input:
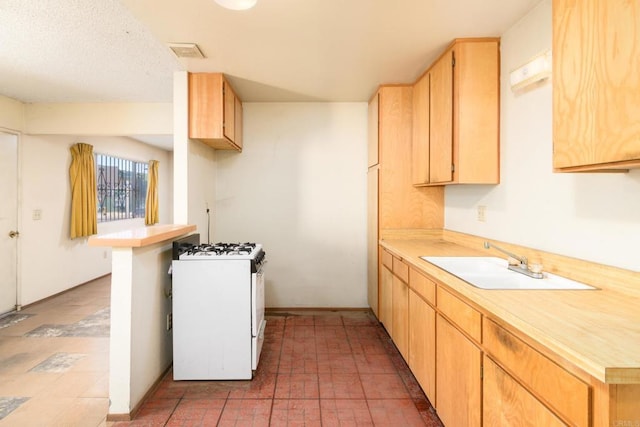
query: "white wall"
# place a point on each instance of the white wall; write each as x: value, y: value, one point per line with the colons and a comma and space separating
x: 141, y: 347
x: 12, y: 114
x: 50, y: 262
x: 193, y: 164
x: 299, y: 188
x: 589, y: 216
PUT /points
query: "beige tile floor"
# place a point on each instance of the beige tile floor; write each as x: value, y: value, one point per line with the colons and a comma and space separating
x: 60, y: 380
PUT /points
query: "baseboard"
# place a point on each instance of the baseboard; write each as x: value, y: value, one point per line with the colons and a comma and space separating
x: 131, y: 415
x: 277, y: 309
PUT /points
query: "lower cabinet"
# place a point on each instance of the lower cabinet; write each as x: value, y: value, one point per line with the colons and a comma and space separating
x: 506, y: 403
x: 458, y: 381
x: 422, y: 344
x: 566, y: 395
x: 480, y: 371
x: 400, y: 316
x: 384, y: 305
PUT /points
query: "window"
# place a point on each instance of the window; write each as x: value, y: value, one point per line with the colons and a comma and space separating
x: 122, y: 188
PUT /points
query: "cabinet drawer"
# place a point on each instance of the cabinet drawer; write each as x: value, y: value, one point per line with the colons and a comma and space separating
x: 462, y: 314
x: 507, y: 403
x: 422, y: 286
x: 401, y: 269
x: 387, y: 259
x: 564, y: 393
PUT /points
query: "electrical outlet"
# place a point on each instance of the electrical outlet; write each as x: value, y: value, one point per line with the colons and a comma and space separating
x: 482, y: 213
x: 169, y: 321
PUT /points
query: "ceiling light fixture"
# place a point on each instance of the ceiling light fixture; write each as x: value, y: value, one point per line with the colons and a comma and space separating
x: 237, y: 4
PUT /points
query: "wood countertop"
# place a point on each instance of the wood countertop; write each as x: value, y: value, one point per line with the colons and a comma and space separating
x: 139, y: 237
x: 598, y: 331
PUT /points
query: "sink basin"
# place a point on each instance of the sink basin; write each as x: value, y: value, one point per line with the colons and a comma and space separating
x: 492, y: 273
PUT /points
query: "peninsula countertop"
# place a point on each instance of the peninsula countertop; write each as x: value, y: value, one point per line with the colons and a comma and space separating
x: 141, y: 236
x: 598, y: 331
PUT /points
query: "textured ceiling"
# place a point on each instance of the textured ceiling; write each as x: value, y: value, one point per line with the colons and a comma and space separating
x: 282, y: 50
x: 80, y: 51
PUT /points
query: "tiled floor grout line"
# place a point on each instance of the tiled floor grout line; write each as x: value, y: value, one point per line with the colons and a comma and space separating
x: 284, y: 345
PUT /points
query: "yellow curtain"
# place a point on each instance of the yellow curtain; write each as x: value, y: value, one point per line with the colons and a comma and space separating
x: 82, y: 175
x: 151, y: 206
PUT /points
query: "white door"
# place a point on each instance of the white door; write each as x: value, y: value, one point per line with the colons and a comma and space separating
x: 8, y: 220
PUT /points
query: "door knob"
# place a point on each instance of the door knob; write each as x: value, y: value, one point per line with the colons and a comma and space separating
x: 13, y: 234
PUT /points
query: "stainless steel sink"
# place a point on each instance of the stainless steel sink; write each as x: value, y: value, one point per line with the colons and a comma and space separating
x: 492, y: 273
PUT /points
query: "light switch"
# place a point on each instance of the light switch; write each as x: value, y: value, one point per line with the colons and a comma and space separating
x: 37, y: 214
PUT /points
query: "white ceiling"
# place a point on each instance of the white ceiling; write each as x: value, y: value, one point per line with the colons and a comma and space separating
x: 281, y: 50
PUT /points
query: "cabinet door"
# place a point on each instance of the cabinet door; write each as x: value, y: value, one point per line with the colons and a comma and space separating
x: 506, y: 403
x: 476, y: 144
x: 422, y: 344
x: 567, y: 395
x: 386, y: 286
x: 238, y: 122
x: 400, y: 314
x: 458, y: 381
x: 596, y: 82
x: 441, y: 128
x: 420, y: 143
x: 372, y: 240
x: 229, y: 113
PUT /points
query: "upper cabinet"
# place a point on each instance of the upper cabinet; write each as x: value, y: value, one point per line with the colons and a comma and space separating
x: 456, y: 112
x: 596, y: 82
x: 421, y: 121
x: 215, y: 112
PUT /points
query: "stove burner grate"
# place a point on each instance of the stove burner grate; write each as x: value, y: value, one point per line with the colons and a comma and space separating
x: 218, y: 249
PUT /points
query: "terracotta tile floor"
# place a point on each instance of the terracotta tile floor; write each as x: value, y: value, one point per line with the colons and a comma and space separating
x: 316, y: 369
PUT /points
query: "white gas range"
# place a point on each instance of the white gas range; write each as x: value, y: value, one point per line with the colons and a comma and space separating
x: 218, y: 309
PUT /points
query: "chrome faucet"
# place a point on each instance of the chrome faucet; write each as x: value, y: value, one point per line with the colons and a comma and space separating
x: 534, y: 271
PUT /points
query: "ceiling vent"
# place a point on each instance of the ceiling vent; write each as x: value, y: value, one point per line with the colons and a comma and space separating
x: 186, y: 50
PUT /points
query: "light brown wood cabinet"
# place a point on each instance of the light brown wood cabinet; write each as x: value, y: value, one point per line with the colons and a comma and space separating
x: 565, y: 394
x: 421, y: 122
x: 394, y: 300
x: 458, y: 378
x: 456, y: 116
x: 441, y: 113
x: 400, y: 314
x: 392, y: 202
x: 596, y: 82
x: 215, y: 112
x: 477, y: 369
x: 386, y: 297
x: 507, y: 404
x: 422, y: 343
x: 465, y: 317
